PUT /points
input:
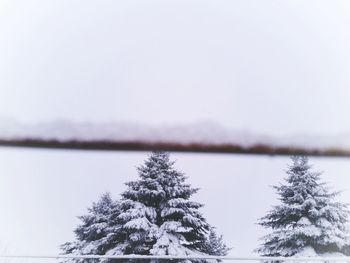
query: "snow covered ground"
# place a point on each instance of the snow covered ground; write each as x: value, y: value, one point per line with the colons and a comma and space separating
x: 309, y: 252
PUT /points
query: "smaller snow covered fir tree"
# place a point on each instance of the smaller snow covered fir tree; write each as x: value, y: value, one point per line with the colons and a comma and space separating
x: 99, y: 230
x: 308, y: 218
x: 216, y: 245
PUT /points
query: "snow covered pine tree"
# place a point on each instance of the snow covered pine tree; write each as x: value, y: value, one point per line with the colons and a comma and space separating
x: 99, y: 231
x: 155, y: 216
x: 308, y: 222
x: 216, y: 245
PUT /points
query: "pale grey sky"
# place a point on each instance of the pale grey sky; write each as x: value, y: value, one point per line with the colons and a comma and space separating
x: 278, y: 67
x: 272, y: 66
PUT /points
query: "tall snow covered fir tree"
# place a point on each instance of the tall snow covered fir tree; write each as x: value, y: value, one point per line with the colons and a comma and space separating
x: 155, y: 216
x: 158, y: 216
x: 308, y: 218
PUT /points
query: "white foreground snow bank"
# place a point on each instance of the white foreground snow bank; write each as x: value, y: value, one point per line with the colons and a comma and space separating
x: 309, y: 252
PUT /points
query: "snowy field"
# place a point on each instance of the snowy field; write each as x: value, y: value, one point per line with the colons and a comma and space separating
x: 43, y: 191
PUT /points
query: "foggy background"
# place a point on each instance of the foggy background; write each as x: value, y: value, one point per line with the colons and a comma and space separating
x: 271, y: 66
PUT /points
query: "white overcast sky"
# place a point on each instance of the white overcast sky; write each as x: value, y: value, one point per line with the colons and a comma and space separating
x: 278, y: 67
x: 271, y: 66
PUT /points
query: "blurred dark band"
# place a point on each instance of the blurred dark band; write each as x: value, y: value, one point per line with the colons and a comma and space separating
x: 260, y: 149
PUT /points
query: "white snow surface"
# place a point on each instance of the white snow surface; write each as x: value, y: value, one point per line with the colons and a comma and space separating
x: 310, y: 252
x: 197, y: 133
x: 307, y: 252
